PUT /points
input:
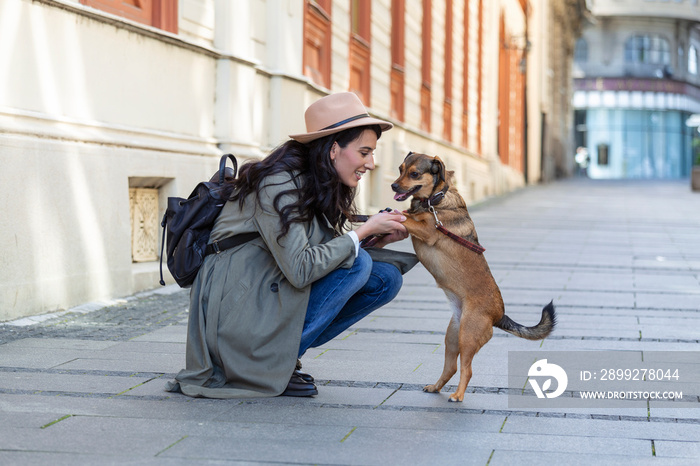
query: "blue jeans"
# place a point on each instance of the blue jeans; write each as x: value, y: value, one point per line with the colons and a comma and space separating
x: 345, y: 296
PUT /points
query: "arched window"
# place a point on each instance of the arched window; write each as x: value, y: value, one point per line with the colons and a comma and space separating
x: 581, y: 51
x: 692, y: 60
x: 649, y: 48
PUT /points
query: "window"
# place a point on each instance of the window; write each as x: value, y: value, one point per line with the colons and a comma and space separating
x: 360, y: 23
x: 317, y: 42
x: 465, y: 78
x: 651, y: 48
x: 581, y: 51
x: 480, y: 75
x: 692, y: 60
x: 161, y: 14
x: 603, y: 157
x: 447, y: 104
x: 398, y: 23
x: 503, y: 92
x: 426, y: 67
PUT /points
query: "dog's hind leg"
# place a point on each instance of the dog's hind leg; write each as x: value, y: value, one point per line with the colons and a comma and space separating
x: 473, y: 334
x: 451, y: 355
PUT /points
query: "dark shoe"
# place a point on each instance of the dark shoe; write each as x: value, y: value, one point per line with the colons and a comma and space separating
x: 300, y: 387
x: 307, y: 377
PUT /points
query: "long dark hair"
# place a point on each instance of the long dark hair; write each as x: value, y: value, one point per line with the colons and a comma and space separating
x: 319, y: 189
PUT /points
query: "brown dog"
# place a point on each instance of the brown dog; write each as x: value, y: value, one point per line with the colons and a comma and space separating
x: 459, y: 269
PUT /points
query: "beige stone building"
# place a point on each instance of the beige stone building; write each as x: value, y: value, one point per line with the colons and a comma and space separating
x: 107, y: 107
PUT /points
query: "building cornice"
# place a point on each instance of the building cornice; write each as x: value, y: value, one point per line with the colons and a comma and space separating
x: 668, y: 86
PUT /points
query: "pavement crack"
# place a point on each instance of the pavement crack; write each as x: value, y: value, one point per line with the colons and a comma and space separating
x: 171, y: 445
x: 503, y: 425
x: 390, y: 395
x: 349, y: 434
x: 56, y: 421
x: 137, y: 386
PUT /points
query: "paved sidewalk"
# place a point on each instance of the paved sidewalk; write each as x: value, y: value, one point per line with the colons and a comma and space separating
x: 621, y: 260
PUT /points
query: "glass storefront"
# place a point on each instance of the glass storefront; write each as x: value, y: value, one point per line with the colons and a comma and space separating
x: 636, y: 143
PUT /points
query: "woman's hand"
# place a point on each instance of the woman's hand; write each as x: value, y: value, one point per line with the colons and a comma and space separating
x: 384, y: 223
x: 390, y: 238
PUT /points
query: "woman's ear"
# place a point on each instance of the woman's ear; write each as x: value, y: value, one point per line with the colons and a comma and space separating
x: 334, y: 150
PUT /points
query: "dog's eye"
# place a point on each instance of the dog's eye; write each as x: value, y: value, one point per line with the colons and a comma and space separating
x: 414, y: 175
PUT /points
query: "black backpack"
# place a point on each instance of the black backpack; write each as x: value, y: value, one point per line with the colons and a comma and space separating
x: 188, y: 223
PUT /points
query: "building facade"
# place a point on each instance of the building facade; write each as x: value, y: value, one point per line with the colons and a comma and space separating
x: 637, y: 83
x: 108, y: 107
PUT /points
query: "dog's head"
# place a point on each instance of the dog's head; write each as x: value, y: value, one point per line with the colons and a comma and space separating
x: 421, y: 176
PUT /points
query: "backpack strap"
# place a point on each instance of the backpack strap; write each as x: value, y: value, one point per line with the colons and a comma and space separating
x: 222, y: 167
x: 162, y: 246
x: 231, y: 242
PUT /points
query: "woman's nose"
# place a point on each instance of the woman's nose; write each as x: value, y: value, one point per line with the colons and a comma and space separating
x: 370, y: 165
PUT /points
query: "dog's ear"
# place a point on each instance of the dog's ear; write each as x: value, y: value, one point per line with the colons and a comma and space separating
x: 408, y: 155
x: 438, y: 168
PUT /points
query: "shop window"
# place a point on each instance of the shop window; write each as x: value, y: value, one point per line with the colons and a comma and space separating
x: 317, y: 42
x: 161, y: 14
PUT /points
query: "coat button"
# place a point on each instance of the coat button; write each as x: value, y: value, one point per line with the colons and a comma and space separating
x: 274, y: 287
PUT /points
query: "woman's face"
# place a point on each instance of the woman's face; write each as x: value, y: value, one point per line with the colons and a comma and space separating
x: 353, y: 160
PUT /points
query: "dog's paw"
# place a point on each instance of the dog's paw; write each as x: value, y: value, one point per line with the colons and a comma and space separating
x: 456, y: 398
x: 431, y: 389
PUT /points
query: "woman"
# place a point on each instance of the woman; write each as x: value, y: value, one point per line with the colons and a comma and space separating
x: 258, y: 306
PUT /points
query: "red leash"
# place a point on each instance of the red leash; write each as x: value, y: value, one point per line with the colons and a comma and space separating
x: 467, y: 244
x: 477, y: 248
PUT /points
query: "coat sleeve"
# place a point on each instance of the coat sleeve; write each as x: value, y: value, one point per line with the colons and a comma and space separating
x: 301, y: 261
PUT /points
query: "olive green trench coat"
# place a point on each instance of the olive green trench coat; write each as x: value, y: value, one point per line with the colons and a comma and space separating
x: 248, y: 303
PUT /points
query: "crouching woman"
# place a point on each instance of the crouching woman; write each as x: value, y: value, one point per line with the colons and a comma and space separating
x: 256, y: 308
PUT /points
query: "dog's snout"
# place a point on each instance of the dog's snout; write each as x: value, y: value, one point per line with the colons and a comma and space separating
x: 395, y: 187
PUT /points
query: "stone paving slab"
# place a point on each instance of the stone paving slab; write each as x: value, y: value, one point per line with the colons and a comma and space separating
x: 124, y: 362
x: 528, y: 458
x: 603, y: 428
x: 98, y: 442
x: 38, y: 382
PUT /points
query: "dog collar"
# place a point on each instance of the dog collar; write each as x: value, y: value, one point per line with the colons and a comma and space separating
x: 433, y: 200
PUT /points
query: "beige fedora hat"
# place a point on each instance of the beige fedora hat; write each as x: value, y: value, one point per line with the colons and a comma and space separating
x: 335, y: 113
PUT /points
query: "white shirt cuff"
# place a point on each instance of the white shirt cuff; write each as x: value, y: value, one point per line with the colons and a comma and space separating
x: 356, y: 240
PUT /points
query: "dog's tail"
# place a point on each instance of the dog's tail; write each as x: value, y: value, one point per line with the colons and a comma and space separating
x: 538, y: 332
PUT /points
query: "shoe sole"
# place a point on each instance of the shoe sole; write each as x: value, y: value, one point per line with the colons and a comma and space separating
x: 300, y: 393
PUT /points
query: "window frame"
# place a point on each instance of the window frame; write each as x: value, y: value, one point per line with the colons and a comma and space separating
x: 316, y: 54
x: 693, y: 60
x: 398, y: 58
x: 161, y: 14
x: 360, y: 53
x: 650, y: 49
x: 426, y: 65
